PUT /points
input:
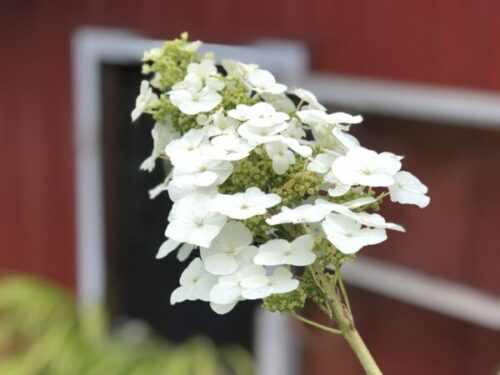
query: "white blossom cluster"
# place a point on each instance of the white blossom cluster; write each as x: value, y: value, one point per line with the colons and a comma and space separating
x: 232, y: 264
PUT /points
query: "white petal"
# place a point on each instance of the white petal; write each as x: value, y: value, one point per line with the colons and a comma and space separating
x: 184, y: 252
x: 166, y: 248
x: 180, y: 294
x: 222, y: 309
x: 225, y: 294
x: 220, y: 264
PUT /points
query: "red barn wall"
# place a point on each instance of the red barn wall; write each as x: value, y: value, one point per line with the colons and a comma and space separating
x: 452, y: 42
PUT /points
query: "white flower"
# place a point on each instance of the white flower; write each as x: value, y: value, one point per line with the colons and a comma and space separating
x: 191, y: 222
x: 301, y: 149
x: 195, y: 284
x: 190, y: 142
x: 162, y: 134
x: 256, y: 135
x: 207, y: 71
x: 207, y: 172
x: 245, y: 205
x: 278, y: 252
x: 192, y: 101
x: 218, y: 124
x: 306, y: 213
x: 281, y: 281
x: 184, y: 251
x: 361, y: 166
x: 144, y: 99
x: 322, y: 162
x: 364, y: 218
x: 309, y: 98
x: 281, y: 157
x: 318, y: 117
x: 261, y: 115
x: 203, y: 69
x: 190, y: 81
x: 347, y: 235
x: 375, y: 221
x: 227, y: 147
x: 345, y: 139
x: 408, y: 190
x: 338, y: 190
x: 229, y: 250
x: 262, y: 81
x: 170, y: 245
x: 166, y: 248
x: 237, y: 69
x: 281, y: 102
x: 182, y: 186
x: 294, y: 129
x: 228, y: 289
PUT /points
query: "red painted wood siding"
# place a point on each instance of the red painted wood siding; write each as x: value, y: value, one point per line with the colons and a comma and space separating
x: 449, y: 42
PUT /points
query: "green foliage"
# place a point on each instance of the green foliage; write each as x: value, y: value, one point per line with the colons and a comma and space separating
x: 42, y: 334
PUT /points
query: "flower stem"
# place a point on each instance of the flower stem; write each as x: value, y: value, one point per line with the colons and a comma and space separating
x: 345, y: 321
x: 316, y: 324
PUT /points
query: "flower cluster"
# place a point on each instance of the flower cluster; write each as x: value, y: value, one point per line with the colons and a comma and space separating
x: 264, y: 182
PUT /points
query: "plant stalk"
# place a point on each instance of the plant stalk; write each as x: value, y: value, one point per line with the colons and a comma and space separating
x: 345, y: 322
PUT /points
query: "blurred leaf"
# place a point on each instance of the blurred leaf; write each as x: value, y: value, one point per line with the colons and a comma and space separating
x: 42, y: 334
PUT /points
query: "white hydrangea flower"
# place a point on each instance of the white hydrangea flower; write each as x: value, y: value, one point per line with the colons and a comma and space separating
x: 228, y: 289
x: 306, y: 213
x: 280, y: 252
x: 262, y: 81
x: 195, y: 284
x: 191, y: 222
x: 280, y: 155
x: 347, y: 235
x: 260, y: 115
x: 301, y: 149
x: 345, y: 139
x: 229, y: 250
x: 245, y: 205
x: 192, y: 101
x: 258, y: 135
x: 206, y: 172
x: 237, y: 69
x: 218, y: 123
x: 144, y: 99
x: 207, y: 71
x: 281, y: 102
x: 162, y: 134
x: 361, y: 166
x: 189, y: 143
x: 322, y: 162
x: 408, y: 189
x: 228, y: 147
x: 232, y: 262
x: 281, y: 281
x: 317, y: 117
x: 166, y: 248
x: 375, y: 221
x: 294, y: 129
x: 309, y: 98
x: 182, y: 186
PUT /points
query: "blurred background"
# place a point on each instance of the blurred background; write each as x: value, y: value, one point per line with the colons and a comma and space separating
x: 74, y: 208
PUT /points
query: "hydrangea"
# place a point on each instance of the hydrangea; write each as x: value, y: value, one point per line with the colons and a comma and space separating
x: 271, y: 193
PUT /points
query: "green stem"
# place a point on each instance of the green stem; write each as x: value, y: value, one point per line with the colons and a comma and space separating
x: 316, y: 324
x: 344, y: 319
